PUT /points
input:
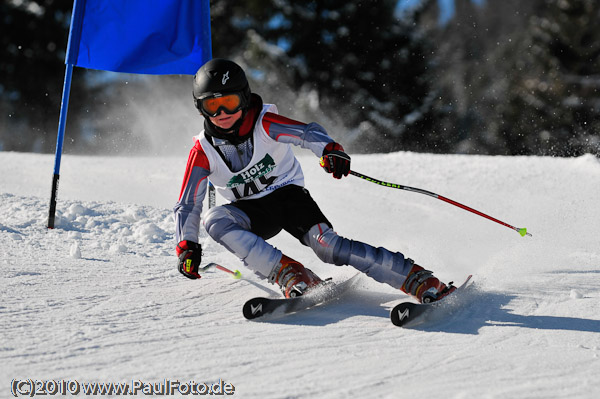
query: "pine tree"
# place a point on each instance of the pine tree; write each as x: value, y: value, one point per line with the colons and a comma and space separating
x: 33, y: 37
x: 555, y: 102
x: 473, y: 56
x: 363, y: 62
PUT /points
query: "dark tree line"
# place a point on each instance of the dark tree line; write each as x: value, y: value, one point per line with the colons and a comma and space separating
x: 554, y: 102
x: 501, y: 77
x: 29, y: 65
x: 367, y: 65
x: 521, y: 77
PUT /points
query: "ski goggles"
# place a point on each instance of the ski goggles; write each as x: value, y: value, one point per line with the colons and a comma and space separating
x: 230, y: 104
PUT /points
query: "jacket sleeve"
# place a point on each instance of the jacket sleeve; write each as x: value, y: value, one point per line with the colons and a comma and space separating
x: 189, y: 207
x: 306, y: 135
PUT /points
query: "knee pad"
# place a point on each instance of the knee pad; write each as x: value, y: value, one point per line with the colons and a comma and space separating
x: 378, y: 263
x: 327, y: 244
x: 230, y: 227
x: 220, y: 220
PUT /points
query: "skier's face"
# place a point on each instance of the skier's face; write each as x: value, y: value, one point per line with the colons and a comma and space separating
x: 225, y: 121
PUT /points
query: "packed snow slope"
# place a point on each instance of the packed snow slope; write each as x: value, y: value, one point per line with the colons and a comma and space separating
x: 99, y: 299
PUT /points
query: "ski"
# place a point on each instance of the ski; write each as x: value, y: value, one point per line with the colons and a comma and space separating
x: 326, y: 292
x: 411, y: 314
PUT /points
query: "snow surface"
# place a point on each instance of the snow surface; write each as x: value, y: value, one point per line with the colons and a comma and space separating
x: 99, y: 297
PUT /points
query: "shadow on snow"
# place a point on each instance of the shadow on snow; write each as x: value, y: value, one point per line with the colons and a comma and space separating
x: 489, y: 309
x: 475, y: 310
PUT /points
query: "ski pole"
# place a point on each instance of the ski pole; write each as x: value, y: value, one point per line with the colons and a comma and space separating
x: 522, y: 231
x: 235, y: 274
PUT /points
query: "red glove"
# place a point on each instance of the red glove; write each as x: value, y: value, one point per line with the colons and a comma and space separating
x: 190, y: 255
x: 335, y: 160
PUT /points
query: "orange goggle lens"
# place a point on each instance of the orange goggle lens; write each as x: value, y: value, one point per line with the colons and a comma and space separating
x: 230, y: 103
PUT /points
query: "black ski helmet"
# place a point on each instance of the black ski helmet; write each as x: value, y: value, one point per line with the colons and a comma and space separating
x: 219, y: 77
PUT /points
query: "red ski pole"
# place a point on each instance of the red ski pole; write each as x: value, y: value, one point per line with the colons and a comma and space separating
x: 522, y: 231
x: 235, y: 274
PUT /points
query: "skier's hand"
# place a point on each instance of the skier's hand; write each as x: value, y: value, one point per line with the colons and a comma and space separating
x: 335, y: 160
x: 190, y: 255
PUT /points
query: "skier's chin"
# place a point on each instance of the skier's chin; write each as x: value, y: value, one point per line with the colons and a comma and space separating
x: 225, y: 124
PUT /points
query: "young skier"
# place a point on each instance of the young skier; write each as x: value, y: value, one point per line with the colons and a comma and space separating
x: 245, y: 149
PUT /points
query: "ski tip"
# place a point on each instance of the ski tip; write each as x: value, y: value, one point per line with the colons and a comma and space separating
x: 466, y: 283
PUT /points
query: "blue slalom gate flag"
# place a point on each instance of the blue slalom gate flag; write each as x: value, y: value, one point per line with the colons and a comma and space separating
x: 156, y: 37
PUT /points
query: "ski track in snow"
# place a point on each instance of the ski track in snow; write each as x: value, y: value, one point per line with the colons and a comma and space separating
x: 99, y: 297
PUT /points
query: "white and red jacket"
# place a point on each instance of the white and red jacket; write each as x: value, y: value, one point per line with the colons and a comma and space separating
x: 254, y: 168
x: 267, y: 164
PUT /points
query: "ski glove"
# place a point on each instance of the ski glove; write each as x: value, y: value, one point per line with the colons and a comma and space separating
x: 190, y: 255
x: 335, y: 160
